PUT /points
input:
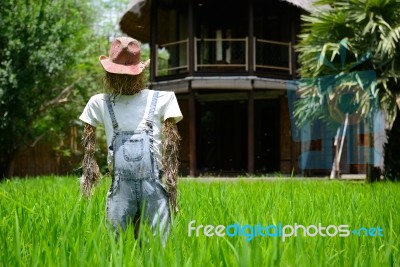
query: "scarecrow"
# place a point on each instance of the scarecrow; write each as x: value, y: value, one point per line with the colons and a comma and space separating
x: 143, y: 139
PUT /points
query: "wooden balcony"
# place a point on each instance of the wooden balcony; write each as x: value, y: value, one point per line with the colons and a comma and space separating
x: 224, y: 57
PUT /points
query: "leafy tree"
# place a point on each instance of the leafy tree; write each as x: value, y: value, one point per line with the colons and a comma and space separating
x: 44, y: 65
x: 363, y: 32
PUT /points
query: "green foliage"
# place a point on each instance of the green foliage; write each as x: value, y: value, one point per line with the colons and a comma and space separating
x: 49, y: 69
x: 108, y: 14
x: 46, y: 62
x: 45, y: 222
x: 354, y: 35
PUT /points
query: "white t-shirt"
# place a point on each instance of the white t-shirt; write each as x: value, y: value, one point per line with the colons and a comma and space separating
x: 130, y: 112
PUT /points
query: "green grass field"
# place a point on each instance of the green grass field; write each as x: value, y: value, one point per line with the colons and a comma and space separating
x: 45, y: 222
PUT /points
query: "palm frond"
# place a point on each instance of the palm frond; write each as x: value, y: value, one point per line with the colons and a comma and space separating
x: 370, y: 30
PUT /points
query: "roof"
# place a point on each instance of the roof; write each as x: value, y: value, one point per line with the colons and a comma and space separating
x: 307, y: 5
x: 136, y: 20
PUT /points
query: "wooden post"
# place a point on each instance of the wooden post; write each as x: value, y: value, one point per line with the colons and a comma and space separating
x: 153, y: 40
x: 191, y: 43
x: 250, y: 133
x: 250, y: 43
x: 192, y: 132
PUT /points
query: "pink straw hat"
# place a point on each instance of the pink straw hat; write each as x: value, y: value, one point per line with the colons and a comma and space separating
x: 124, y: 57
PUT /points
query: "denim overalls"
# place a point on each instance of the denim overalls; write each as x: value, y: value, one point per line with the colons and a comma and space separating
x: 136, y: 190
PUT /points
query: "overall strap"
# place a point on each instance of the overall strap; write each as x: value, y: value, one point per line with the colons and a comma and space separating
x: 152, y: 106
x: 149, y: 122
x: 111, y: 111
x: 113, y: 120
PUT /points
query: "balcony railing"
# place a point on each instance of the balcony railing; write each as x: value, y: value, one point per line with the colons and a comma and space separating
x: 172, y: 58
x: 213, y: 54
x: 273, y: 55
x: 229, y: 54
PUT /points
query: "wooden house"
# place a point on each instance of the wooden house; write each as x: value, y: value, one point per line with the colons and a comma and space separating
x: 230, y: 64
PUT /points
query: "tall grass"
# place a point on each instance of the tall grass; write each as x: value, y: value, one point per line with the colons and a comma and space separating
x: 45, y: 222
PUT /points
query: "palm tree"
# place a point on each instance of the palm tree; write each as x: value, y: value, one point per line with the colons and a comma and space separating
x: 353, y: 44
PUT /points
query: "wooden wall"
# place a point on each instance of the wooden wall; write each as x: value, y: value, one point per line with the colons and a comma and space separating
x: 289, y: 150
x: 43, y: 159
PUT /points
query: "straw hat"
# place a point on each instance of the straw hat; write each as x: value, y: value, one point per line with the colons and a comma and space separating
x: 124, y: 57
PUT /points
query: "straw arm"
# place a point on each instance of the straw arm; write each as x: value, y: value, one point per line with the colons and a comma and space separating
x: 91, y: 172
x: 170, y: 160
